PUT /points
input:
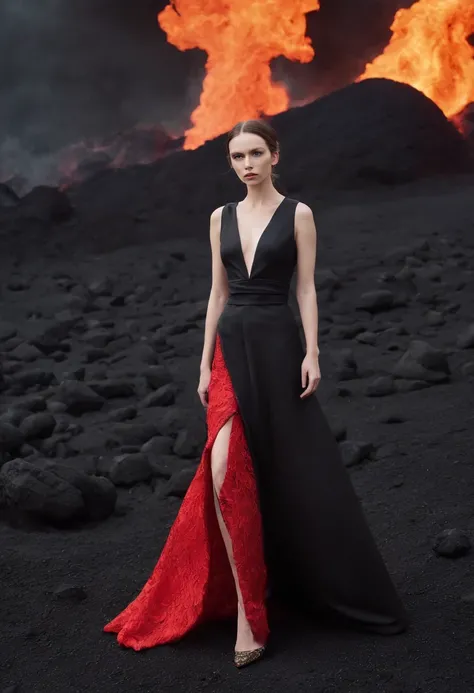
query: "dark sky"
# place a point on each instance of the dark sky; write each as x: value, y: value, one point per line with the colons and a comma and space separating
x: 76, y: 68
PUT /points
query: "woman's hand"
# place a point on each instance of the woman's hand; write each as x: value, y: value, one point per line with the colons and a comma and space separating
x: 310, y: 375
x: 203, y: 387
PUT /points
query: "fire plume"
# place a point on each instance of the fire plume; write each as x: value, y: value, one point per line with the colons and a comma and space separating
x: 430, y: 51
x: 240, y: 38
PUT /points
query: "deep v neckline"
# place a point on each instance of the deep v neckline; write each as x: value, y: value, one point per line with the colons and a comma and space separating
x: 236, y: 221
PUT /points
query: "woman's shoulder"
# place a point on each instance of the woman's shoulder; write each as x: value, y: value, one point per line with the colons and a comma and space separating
x: 301, y: 208
x: 218, y: 216
x: 295, y: 201
x: 220, y: 213
x: 217, y: 213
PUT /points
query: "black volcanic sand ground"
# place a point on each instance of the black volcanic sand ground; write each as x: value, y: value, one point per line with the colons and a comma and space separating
x: 418, y: 482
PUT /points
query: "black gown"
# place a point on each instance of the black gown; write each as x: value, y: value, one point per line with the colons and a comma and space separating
x: 296, y: 525
x: 318, y: 545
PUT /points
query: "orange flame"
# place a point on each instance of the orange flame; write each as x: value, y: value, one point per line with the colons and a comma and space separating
x: 429, y: 50
x: 241, y: 37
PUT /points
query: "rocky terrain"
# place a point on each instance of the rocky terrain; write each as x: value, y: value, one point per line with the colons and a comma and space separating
x: 102, y: 311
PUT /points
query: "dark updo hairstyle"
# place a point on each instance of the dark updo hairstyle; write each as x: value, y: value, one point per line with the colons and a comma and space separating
x: 256, y: 127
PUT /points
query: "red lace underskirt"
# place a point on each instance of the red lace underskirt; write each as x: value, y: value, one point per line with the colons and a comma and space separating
x: 192, y: 581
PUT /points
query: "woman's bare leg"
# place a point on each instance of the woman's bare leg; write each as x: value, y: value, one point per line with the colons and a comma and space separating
x: 219, y: 457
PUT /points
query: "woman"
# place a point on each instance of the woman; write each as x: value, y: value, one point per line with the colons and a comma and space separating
x: 271, y: 507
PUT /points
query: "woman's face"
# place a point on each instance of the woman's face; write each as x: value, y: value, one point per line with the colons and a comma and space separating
x: 251, y: 158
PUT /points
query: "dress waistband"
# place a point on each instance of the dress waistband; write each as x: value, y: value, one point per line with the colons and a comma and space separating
x: 256, y: 299
x: 253, y: 293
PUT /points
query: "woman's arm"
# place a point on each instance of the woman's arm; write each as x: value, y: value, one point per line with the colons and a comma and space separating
x: 219, y: 291
x: 305, y: 234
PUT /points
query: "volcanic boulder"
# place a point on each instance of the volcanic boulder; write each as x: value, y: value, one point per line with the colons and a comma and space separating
x: 8, y: 197
x: 55, y: 493
x: 46, y: 204
x: 373, y: 132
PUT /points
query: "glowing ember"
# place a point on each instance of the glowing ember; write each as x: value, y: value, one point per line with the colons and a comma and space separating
x: 241, y: 37
x: 141, y: 145
x: 429, y: 50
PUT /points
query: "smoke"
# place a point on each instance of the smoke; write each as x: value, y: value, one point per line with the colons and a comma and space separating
x: 346, y: 35
x: 72, y: 70
x: 68, y: 73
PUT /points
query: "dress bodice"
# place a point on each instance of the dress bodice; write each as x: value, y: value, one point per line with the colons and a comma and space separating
x: 274, y: 261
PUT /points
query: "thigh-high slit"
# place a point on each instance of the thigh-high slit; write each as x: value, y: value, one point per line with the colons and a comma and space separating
x: 237, y: 504
x: 192, y: 581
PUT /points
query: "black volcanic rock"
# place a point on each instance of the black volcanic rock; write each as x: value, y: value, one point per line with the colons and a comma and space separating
x: 376, y: 133
x: 8, y: 197
x: 78, y: 397
x: 54, y: 492
x: 40, y: 492
x: 466, y: 118
x: 397, y: 389
x: 373, y: 132
x: 28, y: 221
x: 39, y: 425
x: 10, y: 437
x: 47, y: 204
